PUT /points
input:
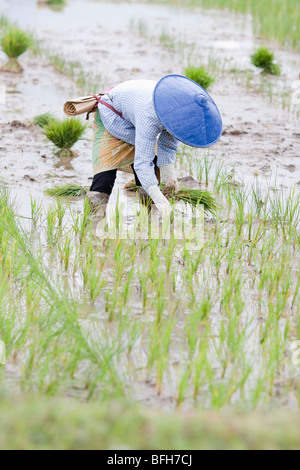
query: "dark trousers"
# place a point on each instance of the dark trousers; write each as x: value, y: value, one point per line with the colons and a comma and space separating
x: 104, y: 182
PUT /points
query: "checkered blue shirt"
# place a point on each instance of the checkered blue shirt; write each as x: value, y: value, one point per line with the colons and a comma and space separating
x: 140, y: 127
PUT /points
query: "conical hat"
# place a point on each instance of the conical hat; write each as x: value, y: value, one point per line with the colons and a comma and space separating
x: 187, y: 111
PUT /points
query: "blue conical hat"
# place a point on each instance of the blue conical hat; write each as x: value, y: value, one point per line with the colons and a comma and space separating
x: 187, y: 111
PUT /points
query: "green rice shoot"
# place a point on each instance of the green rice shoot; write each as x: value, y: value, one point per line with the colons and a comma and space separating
x: 43, y: 120
x: 264, y: 59
x: 14, y: 42
x: 194, y: 197
x: 56, y: 2
x: 65, y: 133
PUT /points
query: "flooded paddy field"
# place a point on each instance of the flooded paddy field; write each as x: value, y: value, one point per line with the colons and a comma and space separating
x: 149, y: 321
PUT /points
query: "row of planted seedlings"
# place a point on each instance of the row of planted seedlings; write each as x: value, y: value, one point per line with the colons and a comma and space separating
x: 97, y: 317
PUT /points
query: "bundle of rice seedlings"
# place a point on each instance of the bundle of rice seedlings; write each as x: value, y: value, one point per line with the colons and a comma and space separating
x: 43, y: 120
x: 68, y: 190
x: 192, y: 196
x: 64, y: 134
x: 264, y: 59
x: 199, y: 75
x: 14, y: 42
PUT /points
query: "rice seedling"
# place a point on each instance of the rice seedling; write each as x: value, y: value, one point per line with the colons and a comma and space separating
x: 14, y: 42
x: 82, y: 222
x: 60, y: 212
x: 51, y: 225
x: 36, y: 211
x: 164, y: 352
x: 65, y: 248
x: 199, y: 75
x: 272, y: 19
x: 135, y: 331
x: 64, y: 134
x: 211, y: 326
x: 56, y: 2
x: 195, y: 197
x: 264, y: 59
x: 94, y: 285
x: 62, y: 66
x: 87, y: 83
x: 4, y: 22
x: 43, y: 120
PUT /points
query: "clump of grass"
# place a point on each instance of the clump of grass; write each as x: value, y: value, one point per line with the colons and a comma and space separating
x: 192, y: 196
x: 70, y: 424
x: 43, y: 120
x: 196, y: 197
x: 139, y: 25
x: 64, y: 134
x: 4, y: 22
x: 264, y: 59
x: 68, y: 190
x: 199, y: 75
x: 14, y: 43
x: 167, y: 40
